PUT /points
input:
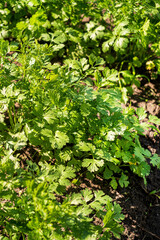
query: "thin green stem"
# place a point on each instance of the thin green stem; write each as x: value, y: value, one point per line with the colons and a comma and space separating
x: 10, y: 116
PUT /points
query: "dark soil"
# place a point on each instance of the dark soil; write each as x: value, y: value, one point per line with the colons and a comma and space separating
x: 140, y: 203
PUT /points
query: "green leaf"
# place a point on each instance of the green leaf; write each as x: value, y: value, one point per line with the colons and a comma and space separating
x: 18, y: 140
x: 108, y: 218
x: 58, y: 47
x: 105, y: 46
x: 85, y: 109
x: 61, y: 139
x: 126, y: 156
x: 117, y: 212
x: 76, y: 199
x: 33, y: 3
x: 114, y: 183
x: 21, y: 25
x: 111, y: 74
x: 155, y: 160
x: 90, y: 25
x: 107, y: 173
x: 92, y: 164
x: 83, y: 210
x: 121, y: 42
x: 137, y: 62
x: 59, y: 37
x: 49, y: 116
x: 2, y: 116
x: 138, y: 153
x: 45, y: 37
x: 146, y: 152
x: 84, y: 146
x: 63, y: 174
x: 98, y: 77
x: 141, y: 113
x: 100, y: 200
x: 145, y: 26
x: 124, y: 95
x: 144, y: 169
x: 47, y: 132
x: 92, y: 59
x: 154, y: 119
x: 100, y: 61
x: 123, y: 180
x: 65, y: 155
x: 87, y: 195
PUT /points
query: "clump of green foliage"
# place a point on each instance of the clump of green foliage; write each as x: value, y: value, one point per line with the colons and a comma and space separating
x: 66, y: 69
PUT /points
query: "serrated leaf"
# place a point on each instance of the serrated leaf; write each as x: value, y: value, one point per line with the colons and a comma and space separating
x: 97, y: 33
x: 49, y: 116
x: 61, y: 139
x: 111, y: 74
x: 144, y: 169
x: 18, y: 140
x: 85, y: 109
x: 100, y: 200
x: 100, y: 196
x: 58, y: 47
x: 76, y: 64
x: 21, y: 25
x: 83, y: 210
x: 141, y: 113
x: 83, y: 61
x: 123, y: 180
x: 90, y: 25
x: 113, y: 167
x: 45, y: 37
x: 117, y: 212
x: 105, y: 46
x: 155, y: 160
x: 124, y: 32
x: 76, y: 199
x: 47, y: 132
x: 65, y: 155
x: 108, y: 217
x: 154, y: 119
x: 126, y: 156
x: 61, y: 37
x: 33, y: 3
x: 92, y: 164
x: 100, y: 28
x: 100, y: 61
x: 138, y: 153
x: 107, y: 173
x: 121, y: 42
x: 146, y: 152
x: 65, y: 173
x: 114, y: 183
x: 86, y: 147
x: 87, y: 195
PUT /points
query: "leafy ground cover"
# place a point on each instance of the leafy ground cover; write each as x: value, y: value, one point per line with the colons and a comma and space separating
x: 70, y: 136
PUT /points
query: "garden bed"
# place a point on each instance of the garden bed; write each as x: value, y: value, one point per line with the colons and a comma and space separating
x: 79, y: 120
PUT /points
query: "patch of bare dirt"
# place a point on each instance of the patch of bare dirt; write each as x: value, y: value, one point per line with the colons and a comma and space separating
x: 140, y: 203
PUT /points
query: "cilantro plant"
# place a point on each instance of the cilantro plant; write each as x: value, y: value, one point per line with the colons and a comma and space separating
x: 29, y: 206
x: 120, y: 31
x: 65, y: 71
